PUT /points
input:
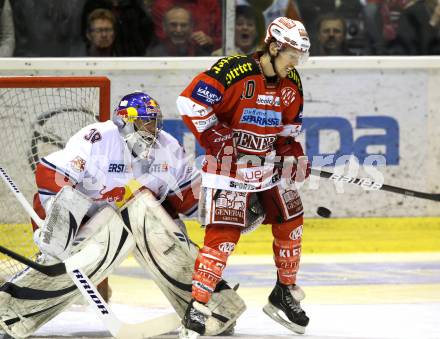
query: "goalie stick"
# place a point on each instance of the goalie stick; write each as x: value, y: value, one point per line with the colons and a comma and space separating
x: 86, y: 256
x: 71, y: 266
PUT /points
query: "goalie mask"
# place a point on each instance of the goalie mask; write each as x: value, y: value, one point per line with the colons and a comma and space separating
x: 139, y: 119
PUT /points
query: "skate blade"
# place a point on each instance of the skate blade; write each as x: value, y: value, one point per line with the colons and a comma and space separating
x: 185, y: 333
x: 274, y: 313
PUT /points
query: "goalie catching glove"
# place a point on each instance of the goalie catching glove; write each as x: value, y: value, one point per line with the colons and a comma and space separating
x: 288, y: 146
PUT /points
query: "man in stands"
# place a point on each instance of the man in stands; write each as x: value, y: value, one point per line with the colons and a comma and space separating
x: 243, y: 111
x: 101, y: 33
x: 178, y: 41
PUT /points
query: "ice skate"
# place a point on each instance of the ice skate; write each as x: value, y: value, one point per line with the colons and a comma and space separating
x: 284, y: 301
x: 193, y: 323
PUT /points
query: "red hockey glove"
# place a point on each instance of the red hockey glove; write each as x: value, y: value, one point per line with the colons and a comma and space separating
x: 288, y: 146
x: 219, y: 141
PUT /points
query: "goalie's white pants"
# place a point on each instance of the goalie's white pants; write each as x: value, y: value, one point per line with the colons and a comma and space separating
x: 165, y: 251
x: 30, y: 299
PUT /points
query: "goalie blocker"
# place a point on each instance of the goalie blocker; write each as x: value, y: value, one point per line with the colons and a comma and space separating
x: 165, y: 251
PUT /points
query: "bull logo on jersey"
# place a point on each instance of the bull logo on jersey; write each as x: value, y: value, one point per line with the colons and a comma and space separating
x: 288, y: 95
x: 116, y: 194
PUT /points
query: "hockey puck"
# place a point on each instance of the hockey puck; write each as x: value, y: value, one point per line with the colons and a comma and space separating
x: 323, y: 212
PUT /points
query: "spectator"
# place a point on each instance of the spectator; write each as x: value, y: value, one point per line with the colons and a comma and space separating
x: 247, y: 35
x: 101, y: 33
x: 178, y: 29
x: 47, y: 28
x: 331, y: 28
x: 419, y: 29
x: 351, y: 10
x: 381, y: 22
x: 7, y: 38
x: 312, y: 9
x: 272, y: 9
x: 207, y: 16
x: 133, y: 25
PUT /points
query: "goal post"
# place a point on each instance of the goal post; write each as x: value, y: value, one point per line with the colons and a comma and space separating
x: 38, y: 114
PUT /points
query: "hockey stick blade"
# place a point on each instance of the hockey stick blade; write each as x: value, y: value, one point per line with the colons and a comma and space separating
x: 151, y: 327
x: 369, y: 183
x: 86, y: 256
x: 118, y: 329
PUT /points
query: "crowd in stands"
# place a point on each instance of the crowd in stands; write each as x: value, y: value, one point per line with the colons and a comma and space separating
x: 100, y: 28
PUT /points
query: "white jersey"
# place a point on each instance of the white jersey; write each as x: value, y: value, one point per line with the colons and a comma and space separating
x: 97, y: 161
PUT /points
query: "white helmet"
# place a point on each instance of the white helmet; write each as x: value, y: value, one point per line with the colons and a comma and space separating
x: 289, y: 32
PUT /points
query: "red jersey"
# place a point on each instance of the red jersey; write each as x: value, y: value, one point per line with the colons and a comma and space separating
x: 235, y: 91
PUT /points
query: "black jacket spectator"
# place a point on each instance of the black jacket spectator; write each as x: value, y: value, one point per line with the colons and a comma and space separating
x: 134, y: 29
x: 415, y: 34
x: 48, y: 28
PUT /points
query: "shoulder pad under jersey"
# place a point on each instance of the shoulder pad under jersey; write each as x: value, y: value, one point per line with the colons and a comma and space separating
x: 294, y: 77
x: 231, y: 69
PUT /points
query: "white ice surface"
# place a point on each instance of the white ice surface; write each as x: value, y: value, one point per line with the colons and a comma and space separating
x: 395, y: 321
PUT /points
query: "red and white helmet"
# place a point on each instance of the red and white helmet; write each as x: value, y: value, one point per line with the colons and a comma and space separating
x: 289, y: 32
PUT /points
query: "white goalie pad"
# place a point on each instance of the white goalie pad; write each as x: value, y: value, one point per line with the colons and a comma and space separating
x: 61, y: 225
x: 30, y: 299
x: 164, y: 250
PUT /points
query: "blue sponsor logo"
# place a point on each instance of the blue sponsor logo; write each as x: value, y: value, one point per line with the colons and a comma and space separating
x: 206, y: 93
x: 387, y: 140
x: 365, y: 128
x: 116, y: 168
x: 261, y: 117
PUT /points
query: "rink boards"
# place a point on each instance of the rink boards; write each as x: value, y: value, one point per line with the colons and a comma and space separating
x: 367, y: 109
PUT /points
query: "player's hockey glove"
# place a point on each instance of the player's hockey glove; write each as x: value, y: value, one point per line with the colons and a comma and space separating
x: 218, y: 141
x: 288, y: 146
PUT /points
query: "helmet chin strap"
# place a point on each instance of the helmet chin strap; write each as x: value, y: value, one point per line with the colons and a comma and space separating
x: 272, y: 62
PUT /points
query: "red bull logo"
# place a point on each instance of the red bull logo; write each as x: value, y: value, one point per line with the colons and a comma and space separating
x: 129, y: 114
x: 116, y: 194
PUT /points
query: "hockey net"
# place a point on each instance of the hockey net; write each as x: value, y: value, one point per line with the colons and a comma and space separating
x: 38, y: 115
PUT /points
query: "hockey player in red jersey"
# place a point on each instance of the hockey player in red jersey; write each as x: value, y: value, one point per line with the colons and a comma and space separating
x: 246, y: 112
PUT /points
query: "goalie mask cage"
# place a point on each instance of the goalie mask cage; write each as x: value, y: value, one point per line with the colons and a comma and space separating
x: 38, y: 115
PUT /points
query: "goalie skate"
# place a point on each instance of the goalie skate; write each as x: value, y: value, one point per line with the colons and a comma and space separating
x: 194, y: 321
x: 284, y: 307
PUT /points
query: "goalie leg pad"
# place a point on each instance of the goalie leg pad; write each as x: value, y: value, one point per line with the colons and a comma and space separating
x: 167, y: 254
x: 61, y: 225
x: 30, y: 299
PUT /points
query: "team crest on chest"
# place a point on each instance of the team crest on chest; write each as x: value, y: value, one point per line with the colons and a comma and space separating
x: 288, y: 95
